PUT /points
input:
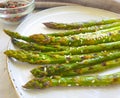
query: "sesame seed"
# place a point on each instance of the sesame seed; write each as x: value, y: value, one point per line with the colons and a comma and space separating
x: 77, y: 62
x: 71, y: 48
x: 69, y: 85
x: 43, y: 57
x: 51, y: 77
x: 59, y: 81
x: 93, y: 81
x: 77, y: 84
x: 45, y: 69
x: 67, y: 61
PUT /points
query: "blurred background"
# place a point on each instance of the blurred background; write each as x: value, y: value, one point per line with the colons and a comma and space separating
x: 111, y: 5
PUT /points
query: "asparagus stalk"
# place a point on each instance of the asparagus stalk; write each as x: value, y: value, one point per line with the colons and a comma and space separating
x: 83, y: 49
x: 39, y: 58
x: 88, y: 49
x: 85, y: 30
x: 75, y: 40
x: 69, y: 26
x: 17, y: 36
x: 67, y: 50
x: 36, y: 47
x: 86, y: 70
x: 71, y: 50
x: 60, y: 68
x: 98, y: 80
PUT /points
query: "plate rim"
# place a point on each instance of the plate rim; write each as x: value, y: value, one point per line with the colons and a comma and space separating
x: 11, y: 78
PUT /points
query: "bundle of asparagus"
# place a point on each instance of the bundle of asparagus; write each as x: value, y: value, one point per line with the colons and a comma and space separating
x: 84, y: 48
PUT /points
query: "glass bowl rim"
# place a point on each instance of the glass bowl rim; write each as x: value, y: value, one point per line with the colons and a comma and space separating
x: 27, y: 5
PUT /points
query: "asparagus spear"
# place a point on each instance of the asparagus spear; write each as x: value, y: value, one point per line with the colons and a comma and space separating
x: 72, y: 50
x: 39, y: 58
x: 76, y: 40
x: 86, y: 70
x: 36, y: 47
x: 98, y: 80
x: 88, y: 49
x: 67, y: 50
x: 60, y: 68
x: 93, y: 69
x: 85, y: 29
x: 69, y: 26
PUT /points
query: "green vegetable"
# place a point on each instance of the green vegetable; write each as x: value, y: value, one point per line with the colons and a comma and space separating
x: 78, y: 40
x: 68, y: 26
x: 85, y: 70
x: 39, y: 58
x: 98, y: 80
x: 88, y: 49
x: 35, y: 47
x: 103, y: 36
x: 85, y: 30
x: 61, y: 68
x: 64, y: 50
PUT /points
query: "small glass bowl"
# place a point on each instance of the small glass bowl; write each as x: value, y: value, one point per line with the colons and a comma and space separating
x: 15, y: 15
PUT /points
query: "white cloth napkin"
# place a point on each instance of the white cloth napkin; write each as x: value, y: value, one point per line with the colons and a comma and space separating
x: 111, y: 5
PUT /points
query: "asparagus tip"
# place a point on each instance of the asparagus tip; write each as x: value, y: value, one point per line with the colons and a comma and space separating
x: 6, y: 52
x: 5, y: 30
x: 8, y: 32
x: 48, y: 24
x: 24, y: 86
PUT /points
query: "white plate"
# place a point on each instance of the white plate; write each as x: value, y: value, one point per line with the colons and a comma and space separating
x: 20, y: 72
